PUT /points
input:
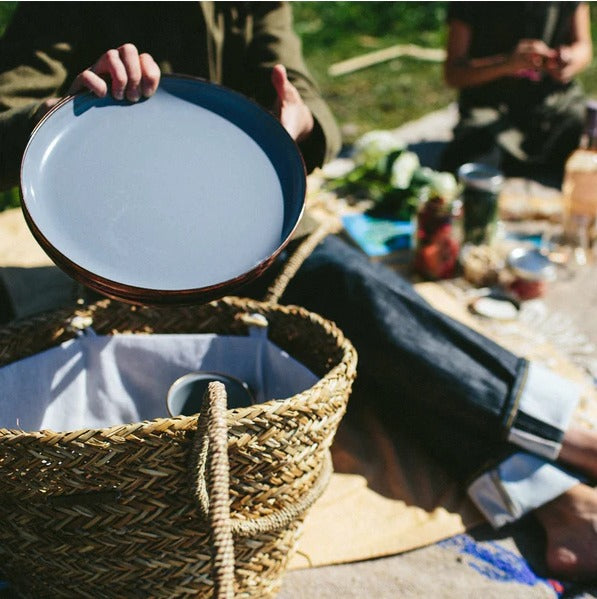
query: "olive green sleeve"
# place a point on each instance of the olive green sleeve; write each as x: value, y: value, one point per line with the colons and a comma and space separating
x: 32, y: 69
x: 275, y: 42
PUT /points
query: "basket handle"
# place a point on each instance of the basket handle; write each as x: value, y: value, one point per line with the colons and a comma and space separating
x: 210, y: 448
x: 212, y: 433
x: 277, y: 288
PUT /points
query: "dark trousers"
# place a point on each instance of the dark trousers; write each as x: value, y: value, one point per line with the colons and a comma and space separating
x: 452, y: 387
x: 522, y: 130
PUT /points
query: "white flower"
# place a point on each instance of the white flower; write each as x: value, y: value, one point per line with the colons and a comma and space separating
x: 444, y: 185
x: 403, y: 169
x: 373, y: 147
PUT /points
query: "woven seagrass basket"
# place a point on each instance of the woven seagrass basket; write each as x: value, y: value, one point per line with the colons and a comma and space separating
x: 173, y: 507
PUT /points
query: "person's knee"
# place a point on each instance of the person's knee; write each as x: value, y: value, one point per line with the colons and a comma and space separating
x: 475, y: 138
x: 471, y: 146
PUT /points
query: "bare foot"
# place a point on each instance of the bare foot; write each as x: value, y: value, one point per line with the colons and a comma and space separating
x: 570, y: 523
x: 579, y: 449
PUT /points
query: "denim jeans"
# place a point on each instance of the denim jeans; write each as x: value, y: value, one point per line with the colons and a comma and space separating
x: 456, y: 388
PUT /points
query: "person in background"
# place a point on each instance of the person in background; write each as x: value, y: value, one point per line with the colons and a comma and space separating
x: 514, y: 65
x: 490, y: 417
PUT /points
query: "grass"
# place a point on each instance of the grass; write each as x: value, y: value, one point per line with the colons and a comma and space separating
x: 386, y: 95
x: 6, y: 10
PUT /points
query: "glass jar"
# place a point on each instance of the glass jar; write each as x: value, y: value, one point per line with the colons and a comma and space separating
x: 532, y: 271
x: 481, y: 186
x: 437, y: 243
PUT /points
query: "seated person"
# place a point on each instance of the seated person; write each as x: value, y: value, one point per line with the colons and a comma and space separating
x: 514, y: 64
x: 493, y: 415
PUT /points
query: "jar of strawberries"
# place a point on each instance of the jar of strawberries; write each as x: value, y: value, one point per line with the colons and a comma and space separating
x: 438, y: 238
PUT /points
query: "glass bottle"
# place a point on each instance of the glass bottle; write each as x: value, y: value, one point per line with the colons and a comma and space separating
x: 579, y: 190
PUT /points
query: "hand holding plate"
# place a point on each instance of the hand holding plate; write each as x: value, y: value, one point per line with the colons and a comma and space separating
x: 131, y: 74
x: 290, y: 108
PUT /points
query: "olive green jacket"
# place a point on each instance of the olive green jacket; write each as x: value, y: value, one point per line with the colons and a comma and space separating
x: 235, y: 44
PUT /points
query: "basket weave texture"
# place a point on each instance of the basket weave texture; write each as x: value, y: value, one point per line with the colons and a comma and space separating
x: 121, y: 511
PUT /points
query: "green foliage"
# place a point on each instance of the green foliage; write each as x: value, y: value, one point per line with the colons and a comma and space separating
x: 392, y: 178
x: 6, y: 11
x: 10, y: 199
x: 331, y: 23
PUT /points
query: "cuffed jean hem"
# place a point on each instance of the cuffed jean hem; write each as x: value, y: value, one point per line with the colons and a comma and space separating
x: 520, y: 484
x: 542, y: 412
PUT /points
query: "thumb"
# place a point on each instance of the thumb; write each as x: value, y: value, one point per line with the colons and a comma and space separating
x: 281, y: 84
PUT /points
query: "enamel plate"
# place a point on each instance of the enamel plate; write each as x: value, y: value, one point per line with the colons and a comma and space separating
x: 178, y: 198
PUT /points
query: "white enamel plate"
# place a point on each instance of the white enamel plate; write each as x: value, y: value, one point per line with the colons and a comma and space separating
x: 179, y: 198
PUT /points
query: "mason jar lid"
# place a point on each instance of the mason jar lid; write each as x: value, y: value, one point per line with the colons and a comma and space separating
x: 481, y: 176
x: 531, y: 265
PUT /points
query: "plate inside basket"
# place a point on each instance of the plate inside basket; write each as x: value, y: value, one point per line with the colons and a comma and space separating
x: 178, y: 198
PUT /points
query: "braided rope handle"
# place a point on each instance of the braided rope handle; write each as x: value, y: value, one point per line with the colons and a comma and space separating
x: 277, y: 288
x: 210, y: 451
x: 212, y: 432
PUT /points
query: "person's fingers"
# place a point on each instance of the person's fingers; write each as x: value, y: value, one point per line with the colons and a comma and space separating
x: 293, y: 113
x: 91, y: 81
x: 534, y: 53
x: 130, y: 74
x: 44, y: 108
x: 129, y: 55
x: 535, y: 46
x: 278, y: 78
x: 150, y: 74
x: 540, y: 47
x: 563, y: 75
x: 564, y: 55
x: 111, y: 64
